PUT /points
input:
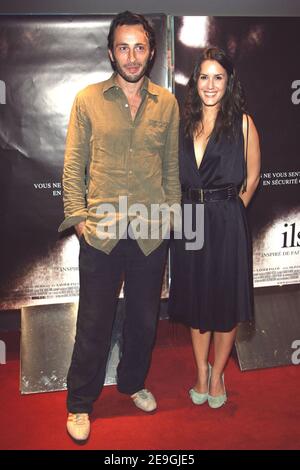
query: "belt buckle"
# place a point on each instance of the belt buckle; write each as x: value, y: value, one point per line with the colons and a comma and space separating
x: 201, y: 196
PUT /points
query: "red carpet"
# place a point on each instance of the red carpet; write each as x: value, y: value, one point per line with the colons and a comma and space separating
x: 263, y: 410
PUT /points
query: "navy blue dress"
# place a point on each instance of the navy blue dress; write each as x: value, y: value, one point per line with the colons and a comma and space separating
x: 212, y: 288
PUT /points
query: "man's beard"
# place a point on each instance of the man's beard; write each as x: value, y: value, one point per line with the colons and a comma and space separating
x: 131, y: 78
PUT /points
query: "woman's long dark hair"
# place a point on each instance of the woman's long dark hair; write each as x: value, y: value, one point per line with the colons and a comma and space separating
x: 232, y: 104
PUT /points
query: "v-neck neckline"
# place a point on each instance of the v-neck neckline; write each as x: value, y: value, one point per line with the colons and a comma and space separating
x: 204, y: 153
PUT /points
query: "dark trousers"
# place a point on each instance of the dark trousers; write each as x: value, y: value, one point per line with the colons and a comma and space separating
x: 100, y: 279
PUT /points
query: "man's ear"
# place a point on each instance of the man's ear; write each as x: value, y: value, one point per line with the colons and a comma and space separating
x: 110, y: 55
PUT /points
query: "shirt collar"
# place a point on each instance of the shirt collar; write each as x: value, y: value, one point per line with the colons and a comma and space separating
x: 147, y: 86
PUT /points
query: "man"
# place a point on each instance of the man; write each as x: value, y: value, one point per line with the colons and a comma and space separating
x: 121, y: 141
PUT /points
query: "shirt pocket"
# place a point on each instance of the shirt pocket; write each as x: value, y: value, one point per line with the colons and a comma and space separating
x: 156, y: 134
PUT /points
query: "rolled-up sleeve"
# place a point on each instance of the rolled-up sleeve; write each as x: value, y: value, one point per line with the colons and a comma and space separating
x: 171, y: 182
x: 75, y: 164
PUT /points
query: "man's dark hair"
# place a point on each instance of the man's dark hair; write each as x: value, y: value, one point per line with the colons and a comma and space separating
x: 126, y: 18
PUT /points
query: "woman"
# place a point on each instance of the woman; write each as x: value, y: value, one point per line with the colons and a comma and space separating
x: 211, y: 288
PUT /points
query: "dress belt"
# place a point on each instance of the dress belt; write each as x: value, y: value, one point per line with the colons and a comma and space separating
x: 210, y: 195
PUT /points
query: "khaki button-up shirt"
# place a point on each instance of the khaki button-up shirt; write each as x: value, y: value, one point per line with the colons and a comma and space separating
x: 108, y: 155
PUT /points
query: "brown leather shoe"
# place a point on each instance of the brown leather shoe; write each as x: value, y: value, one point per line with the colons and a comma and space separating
x: 78, y: 426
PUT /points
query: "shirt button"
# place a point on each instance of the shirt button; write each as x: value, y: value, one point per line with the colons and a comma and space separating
x: 130, y: 150
x: 126, y: 105
x: 130, y: 172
